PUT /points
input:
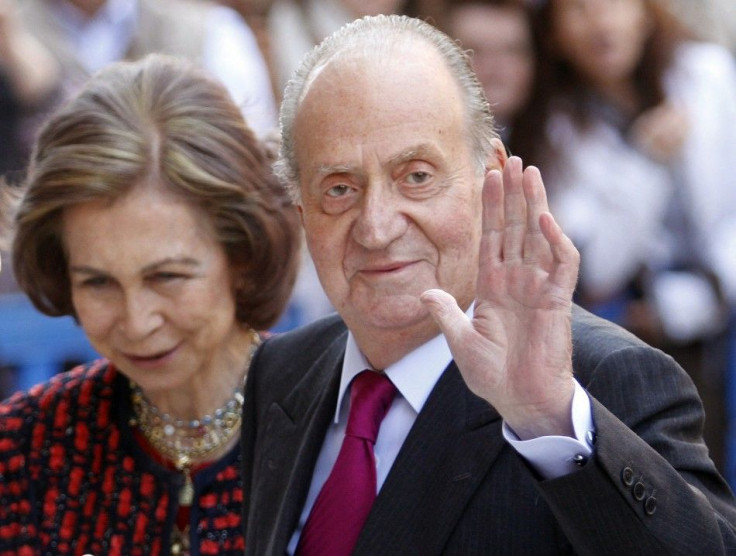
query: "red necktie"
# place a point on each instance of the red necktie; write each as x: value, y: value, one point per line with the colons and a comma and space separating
x: 345, y: 500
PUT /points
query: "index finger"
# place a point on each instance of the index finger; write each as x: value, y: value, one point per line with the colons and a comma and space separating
x: 493, y: 217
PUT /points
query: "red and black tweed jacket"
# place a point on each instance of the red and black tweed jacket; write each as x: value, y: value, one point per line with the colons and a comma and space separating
x: 74, y: 480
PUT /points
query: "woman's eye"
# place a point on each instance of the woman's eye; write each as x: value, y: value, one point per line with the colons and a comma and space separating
x: 95, y: 282
x: 163, y: 277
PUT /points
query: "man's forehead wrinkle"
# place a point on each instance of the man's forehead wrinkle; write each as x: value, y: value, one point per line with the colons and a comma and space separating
x: 331, y: 63
x: 416, y: 151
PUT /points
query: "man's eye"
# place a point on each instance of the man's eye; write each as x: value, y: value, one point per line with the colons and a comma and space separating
x: 418, y: 178
x: 338, y: 190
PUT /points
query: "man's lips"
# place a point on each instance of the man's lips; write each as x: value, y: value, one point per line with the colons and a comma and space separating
x: 384, y: 268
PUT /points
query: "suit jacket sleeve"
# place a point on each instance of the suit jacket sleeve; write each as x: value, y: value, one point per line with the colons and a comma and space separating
x: 650, y: 486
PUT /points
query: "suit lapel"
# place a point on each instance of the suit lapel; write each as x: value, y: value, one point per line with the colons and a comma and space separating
x: 448, y: 452
x: 293, y: 438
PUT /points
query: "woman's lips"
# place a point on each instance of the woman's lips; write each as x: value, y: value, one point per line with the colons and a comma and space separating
x: 153, y: 360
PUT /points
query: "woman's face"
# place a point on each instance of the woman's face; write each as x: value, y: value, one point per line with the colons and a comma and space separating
x: 152, y: 289
x: 503, y: 54
x: 603, y: 39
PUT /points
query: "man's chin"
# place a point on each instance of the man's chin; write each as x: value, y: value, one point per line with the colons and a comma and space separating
x: 392, y: 313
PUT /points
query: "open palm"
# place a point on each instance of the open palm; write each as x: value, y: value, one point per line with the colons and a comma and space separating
x: 516, y: 350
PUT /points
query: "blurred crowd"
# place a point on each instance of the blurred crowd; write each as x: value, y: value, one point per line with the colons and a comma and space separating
x: 628, y: 107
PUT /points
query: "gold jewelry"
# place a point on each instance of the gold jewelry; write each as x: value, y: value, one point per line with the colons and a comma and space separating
x: 180, y: 541
x: 183, y: 441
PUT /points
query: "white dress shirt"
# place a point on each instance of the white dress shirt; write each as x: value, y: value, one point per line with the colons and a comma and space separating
x: 415, y: 376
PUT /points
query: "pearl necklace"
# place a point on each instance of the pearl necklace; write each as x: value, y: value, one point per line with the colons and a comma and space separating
x: 183, y: 441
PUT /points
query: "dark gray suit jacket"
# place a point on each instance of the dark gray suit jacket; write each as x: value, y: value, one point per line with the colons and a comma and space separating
x: 458, y: 488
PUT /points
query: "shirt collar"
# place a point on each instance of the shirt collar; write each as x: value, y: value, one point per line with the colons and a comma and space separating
x: 432, y: 358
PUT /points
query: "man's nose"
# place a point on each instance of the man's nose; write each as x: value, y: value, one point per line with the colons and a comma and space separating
x: 381, y: 219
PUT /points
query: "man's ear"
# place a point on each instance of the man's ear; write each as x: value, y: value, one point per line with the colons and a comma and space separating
x: 498, y: 156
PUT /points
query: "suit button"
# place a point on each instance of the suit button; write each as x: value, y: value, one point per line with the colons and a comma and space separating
x: 650, y: 506
x: 627, y: 476
x: 639, y: 491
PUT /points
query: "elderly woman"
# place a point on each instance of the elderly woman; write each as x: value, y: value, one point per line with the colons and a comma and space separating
x: 151, y: 215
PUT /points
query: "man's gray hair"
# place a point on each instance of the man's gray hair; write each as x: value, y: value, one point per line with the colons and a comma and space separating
x: 377, y: 34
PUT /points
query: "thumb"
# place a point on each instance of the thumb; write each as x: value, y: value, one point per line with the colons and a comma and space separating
x: 451, y: 319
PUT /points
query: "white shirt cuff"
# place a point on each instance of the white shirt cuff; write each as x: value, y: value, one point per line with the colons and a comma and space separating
x: 555, y: 456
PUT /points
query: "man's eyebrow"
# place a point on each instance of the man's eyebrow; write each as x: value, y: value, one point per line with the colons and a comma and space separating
x: 327, y: 169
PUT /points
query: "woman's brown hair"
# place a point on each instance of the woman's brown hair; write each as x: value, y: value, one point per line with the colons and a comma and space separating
x: 163, y: 121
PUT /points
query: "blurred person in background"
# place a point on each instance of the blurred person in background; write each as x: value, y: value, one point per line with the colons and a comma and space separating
x: 638, y: 158
x: 86, y: 35
x: 151, y: 215
x: 713, y: 20
x: 498, y: 33
x: 255, y: 13
x: 28, y: 77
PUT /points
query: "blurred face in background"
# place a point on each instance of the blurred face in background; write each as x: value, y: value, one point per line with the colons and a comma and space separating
x: 603, y: 39
x: 503, y: 56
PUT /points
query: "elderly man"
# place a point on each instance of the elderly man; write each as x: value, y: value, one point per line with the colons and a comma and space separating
x: 508, y: 420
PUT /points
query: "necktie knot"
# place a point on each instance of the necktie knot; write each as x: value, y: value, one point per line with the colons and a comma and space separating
x: 371, y: 395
